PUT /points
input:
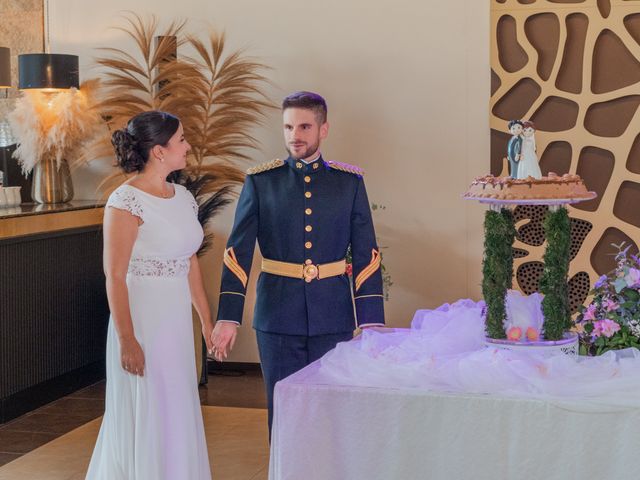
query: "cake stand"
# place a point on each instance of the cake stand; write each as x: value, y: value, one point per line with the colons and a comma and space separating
x: 498, y: 274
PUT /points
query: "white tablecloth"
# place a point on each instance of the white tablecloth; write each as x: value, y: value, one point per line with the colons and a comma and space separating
x: 325, y: 430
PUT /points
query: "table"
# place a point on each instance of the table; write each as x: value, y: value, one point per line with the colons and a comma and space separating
x: 326, y: 431
x: 53, y: 305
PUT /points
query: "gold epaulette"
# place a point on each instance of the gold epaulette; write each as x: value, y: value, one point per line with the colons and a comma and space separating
x: 345, y: 167
x: 265, y: 166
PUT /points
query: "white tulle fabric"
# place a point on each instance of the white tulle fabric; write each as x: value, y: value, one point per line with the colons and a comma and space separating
x: 152, y: 426
x: 444, y: 351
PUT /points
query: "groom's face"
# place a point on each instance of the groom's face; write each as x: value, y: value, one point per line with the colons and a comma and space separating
x: 516, y: 129
x: 302, y: 132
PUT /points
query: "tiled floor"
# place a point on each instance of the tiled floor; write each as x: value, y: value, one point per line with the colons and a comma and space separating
x: 226, y: 388
x: 236, y: 443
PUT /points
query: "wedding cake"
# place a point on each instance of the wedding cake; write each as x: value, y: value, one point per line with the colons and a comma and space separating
x: 551, y: 187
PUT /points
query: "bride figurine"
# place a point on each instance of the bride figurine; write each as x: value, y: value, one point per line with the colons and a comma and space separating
x: 528, y: 165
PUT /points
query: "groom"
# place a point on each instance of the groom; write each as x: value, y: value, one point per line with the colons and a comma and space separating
x: 305, y: 212
x: 514, y: 147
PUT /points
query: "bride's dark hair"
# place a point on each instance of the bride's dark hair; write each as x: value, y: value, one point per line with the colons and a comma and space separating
x: 143, y: 132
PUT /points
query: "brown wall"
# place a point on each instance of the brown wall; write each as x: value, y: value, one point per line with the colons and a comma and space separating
x: 21, y: 29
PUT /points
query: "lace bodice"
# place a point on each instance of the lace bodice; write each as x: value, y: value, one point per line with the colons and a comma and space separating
x: 168, y: 235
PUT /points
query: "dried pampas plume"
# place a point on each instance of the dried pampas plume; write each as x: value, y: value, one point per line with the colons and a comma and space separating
x: 54, y: 124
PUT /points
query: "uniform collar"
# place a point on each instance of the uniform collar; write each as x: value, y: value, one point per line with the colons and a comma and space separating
x: 312, y: 167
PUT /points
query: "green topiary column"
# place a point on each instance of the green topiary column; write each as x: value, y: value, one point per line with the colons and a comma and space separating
x: 497, y: 267
x: 553, y: 284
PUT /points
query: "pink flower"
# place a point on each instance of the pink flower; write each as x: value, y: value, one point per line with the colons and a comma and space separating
x: 633, y: 278
x: 349, y: 269
x: 610, y: 305
x: 605, y: 327
x: 532, y: 334
x: 514, y: 333
x: 590, y: 313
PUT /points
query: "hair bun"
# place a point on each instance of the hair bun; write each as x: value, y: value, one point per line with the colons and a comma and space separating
x: 127, y: 152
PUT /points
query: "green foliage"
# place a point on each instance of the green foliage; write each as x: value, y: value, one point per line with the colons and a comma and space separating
x: 497, y: 268
x: 553, y: 284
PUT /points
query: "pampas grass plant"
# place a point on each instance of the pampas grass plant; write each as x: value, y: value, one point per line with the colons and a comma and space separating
x: 54, y: 124
x: 218, y: 96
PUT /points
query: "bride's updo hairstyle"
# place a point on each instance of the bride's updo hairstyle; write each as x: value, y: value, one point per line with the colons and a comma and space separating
x: 143, y: 132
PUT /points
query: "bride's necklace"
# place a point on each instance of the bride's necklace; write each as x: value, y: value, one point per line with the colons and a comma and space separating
x: 164, y: 192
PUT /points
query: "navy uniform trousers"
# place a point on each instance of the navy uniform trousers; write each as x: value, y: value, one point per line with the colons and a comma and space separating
x: 305, y: 215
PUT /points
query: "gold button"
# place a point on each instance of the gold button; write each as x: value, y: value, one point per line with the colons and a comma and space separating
x: 307, y: 194
x: 308, y: 261
x: 308, y: 245
x: 315, y: 166
x: 307, y: 179
x: 308, y: 228
x: 308, y: 211
x: 298, y: 164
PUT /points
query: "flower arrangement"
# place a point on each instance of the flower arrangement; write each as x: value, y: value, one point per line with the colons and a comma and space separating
x: 386, y: 276
x: 612, y: 320
x: 54, y: 125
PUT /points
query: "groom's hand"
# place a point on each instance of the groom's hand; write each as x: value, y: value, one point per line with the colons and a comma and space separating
x: 223, y: 339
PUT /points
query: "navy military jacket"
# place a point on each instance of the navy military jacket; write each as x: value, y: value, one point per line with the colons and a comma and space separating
x: 301, y: 212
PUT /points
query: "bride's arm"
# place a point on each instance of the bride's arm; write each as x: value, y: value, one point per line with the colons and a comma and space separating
x: 120, y: 232
x: 199, y: 300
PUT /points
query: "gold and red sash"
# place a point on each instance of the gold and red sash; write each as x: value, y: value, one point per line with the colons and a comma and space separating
x: 232, y: 264
x: 370, y: 269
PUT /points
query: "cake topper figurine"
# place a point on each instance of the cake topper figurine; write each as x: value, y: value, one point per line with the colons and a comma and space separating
x: 528, y: 164
x: 514, y: 147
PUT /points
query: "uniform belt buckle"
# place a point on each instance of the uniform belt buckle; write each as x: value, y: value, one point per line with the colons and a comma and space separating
x: 310, y: 273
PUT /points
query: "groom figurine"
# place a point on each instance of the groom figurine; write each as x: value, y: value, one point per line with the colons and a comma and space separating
x: 305, y: 212
x: 514, y: 148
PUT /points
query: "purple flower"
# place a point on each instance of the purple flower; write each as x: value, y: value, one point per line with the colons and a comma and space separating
x: 605, y: 327
x: 602, y: 281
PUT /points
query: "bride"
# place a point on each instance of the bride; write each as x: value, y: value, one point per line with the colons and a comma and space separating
x: 152, y: 426
x: 528, y: 165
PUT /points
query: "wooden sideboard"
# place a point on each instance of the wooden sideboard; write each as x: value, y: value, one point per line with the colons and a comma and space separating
x: 53, y: 304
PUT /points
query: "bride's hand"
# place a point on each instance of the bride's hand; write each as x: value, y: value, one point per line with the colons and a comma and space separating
x: 132, y: 356
x: 207, y: 331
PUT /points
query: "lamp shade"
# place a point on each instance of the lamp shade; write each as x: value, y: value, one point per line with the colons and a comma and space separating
x: 48, y: 70
x: 5, y: 67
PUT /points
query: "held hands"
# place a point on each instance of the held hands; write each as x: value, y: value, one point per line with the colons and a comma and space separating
x: 223, y: 339
x: 131, y: 356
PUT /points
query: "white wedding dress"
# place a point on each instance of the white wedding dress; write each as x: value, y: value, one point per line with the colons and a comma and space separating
x: 152, y: 427
x: 528, y: 165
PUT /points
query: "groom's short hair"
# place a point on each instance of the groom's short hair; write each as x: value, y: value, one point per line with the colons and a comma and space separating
x: 308, y: 101
x: 514, y: 122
